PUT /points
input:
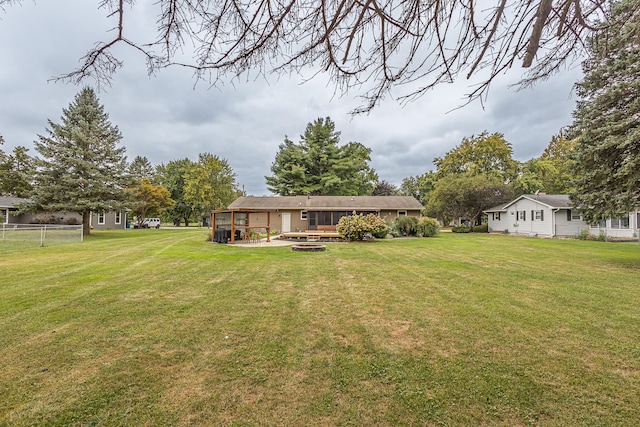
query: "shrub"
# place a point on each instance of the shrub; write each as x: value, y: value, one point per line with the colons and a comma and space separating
x: 584, y: 235
x: 482, y: 228
x: 357, y: 226
x: 461, y: 229
x: 391, y: 229
x: 427, y: 227
x: 406, y: 225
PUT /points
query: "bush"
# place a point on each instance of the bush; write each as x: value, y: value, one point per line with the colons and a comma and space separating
x: 483, y: 228
x: 357, y: 226
x: 461, y: 229
x: 428, y: 227
x: 406, y: 225
x: 585, y: 235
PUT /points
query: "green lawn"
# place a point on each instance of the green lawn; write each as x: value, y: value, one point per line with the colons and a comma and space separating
x: 158, y: 327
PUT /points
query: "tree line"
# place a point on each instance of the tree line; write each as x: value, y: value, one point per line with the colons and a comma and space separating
x: 480, y: 173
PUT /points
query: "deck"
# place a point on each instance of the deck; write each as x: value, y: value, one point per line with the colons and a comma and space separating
x: 311, y: 235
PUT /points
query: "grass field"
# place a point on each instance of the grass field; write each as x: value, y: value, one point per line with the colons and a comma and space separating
x: 158, y: 327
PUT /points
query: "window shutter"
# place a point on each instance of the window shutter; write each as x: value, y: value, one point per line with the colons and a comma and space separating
x: 533, y: 216
x: 568, y: 214
x: 541, y: 215
x: 524, y: 215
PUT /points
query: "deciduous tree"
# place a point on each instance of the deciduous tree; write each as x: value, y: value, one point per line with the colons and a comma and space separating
x: 384, y: 188
x: 149, y: 199
x: 482, y: 154
x: 607, y: 119
x: 466, y: 195
x: 318, y: 165
x: 172, y: 176
x: 419, y: 186
x: 80, y: 167
x: 210, y: 184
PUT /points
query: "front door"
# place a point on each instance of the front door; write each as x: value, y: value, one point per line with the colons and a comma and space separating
x: 286, y: 222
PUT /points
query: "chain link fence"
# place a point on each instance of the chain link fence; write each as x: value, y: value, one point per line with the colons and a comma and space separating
x: 41, y: 234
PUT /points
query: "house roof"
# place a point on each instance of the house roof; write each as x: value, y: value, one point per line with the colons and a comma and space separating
x: 344, y: 203
x: 11, y: 202
x: 553, y: 201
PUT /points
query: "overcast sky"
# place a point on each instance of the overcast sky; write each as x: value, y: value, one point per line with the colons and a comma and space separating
x: 166, y: 117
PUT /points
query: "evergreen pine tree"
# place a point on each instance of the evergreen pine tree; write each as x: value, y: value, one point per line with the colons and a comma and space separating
x: 318, y: 165
x: 607, y: 119
x: 81, y: 168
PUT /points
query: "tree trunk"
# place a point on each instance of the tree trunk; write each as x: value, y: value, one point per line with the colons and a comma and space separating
x: 86, y: 217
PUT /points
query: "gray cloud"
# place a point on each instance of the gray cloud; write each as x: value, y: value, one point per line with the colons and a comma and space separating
x: 169, y: 116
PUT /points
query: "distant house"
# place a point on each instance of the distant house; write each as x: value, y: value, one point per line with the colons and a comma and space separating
x: 9, y: 207
x: 298, y: 213
x: 553, y: 215
x: 113, y: 220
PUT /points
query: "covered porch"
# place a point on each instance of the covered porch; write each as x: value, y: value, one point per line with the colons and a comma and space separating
x: 233, y: 225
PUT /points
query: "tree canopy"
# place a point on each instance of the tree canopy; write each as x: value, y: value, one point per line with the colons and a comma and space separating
x: 384, y: 188
x: 551, y: 172
x: 172, y: 176
x: 318, y: 165
x: 371, y: 46
x: 80, y: 167
x: 485, y: 153
x: 16, y: 172
x: 149, y: 199
x: 466, y: 195
x: 210, y: 184
x: 419, y: 186
x: 141, y: 168
x: 607, y: 120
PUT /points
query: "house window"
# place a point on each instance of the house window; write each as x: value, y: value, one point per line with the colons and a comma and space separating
x: 576, y: 215
x: 537, y: 216
x: 100, y: 218
x: 118, y: 219
x: 303, y: 215
x: 620, y: 223
x: 402, y: 213
x: 521, y: 215
x: 495, y: 216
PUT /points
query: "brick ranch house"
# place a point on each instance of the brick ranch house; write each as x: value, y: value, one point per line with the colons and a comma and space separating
x: 300, y: 213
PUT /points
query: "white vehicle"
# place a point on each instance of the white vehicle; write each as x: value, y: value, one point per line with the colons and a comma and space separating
x: 149, y: 223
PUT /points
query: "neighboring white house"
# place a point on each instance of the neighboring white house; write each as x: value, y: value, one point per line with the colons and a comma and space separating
x: 552, y: 215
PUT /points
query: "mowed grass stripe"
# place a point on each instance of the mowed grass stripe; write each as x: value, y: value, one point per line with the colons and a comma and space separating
x: 158, y: 327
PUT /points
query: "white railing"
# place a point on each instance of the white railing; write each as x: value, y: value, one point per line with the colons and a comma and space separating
x: 41, y: 233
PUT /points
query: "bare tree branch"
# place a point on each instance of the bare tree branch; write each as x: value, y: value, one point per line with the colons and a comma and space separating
x: 373, y: 47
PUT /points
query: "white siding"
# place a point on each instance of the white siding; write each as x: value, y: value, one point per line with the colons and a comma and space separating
x: 530, y: 225
x: 631, y: 231
x: 560, y: 226
x: 565, y: 227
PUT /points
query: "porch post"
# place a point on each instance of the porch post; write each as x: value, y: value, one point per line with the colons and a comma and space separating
x: 213, y: 225
x: 233, y: 227
x: 268, y: 227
